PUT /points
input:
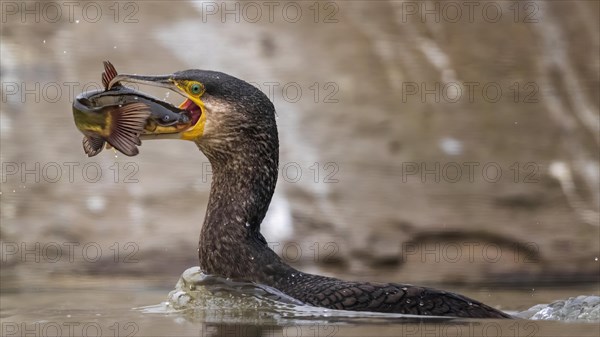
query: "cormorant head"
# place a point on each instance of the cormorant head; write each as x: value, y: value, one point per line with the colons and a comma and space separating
x: 229, y: 115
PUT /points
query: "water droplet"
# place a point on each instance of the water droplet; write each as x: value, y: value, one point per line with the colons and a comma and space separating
x: 115, y: 47
x: 247, y: 224
x: 14, y: 191
x: 451, y: 146
x: 44, y: 41
x: 404, y: 288
x: 64, y: 51
x: 96, y: 203
x: 251, y: 257
x: 421, y: 304
x: 516, y: 123
x: 407, y: 301
x: 596, y: 259
x: 293, y: 275
x: 470, y: 303
x: 68, y: 315
x: 76, y: 21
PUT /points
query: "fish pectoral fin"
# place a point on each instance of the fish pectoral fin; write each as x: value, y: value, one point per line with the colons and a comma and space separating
x: 128, y: 123
x: 92, y: 145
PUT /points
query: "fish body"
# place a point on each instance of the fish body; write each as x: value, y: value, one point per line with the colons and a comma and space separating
x: 120, y: 115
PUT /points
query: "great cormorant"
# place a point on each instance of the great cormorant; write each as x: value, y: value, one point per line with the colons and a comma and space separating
x: 234, y: 126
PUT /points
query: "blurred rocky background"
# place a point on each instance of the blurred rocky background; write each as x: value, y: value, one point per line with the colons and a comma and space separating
x: 421, y: 141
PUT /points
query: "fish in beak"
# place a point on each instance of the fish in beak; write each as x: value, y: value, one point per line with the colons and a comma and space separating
x: 120, y: 115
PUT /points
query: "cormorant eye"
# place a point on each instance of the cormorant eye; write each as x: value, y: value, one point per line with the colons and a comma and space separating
x: 195, y: 88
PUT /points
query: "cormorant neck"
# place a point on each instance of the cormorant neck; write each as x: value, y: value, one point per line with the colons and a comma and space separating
x: 241, y: 191
x: 243, y: 183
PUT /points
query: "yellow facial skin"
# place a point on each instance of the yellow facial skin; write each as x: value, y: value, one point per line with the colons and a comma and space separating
x: 193, y: 91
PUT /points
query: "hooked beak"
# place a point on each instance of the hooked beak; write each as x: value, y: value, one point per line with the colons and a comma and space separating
x: 192, y: 104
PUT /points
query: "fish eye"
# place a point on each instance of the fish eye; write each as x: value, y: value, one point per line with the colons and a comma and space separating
x: 166, y: 118
x: 195, y: 88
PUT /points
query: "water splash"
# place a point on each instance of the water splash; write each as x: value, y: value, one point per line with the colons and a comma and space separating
x: 573, y: 309
x: 207, y: 298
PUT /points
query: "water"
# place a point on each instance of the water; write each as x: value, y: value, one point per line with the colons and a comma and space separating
x: 126, y: 306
